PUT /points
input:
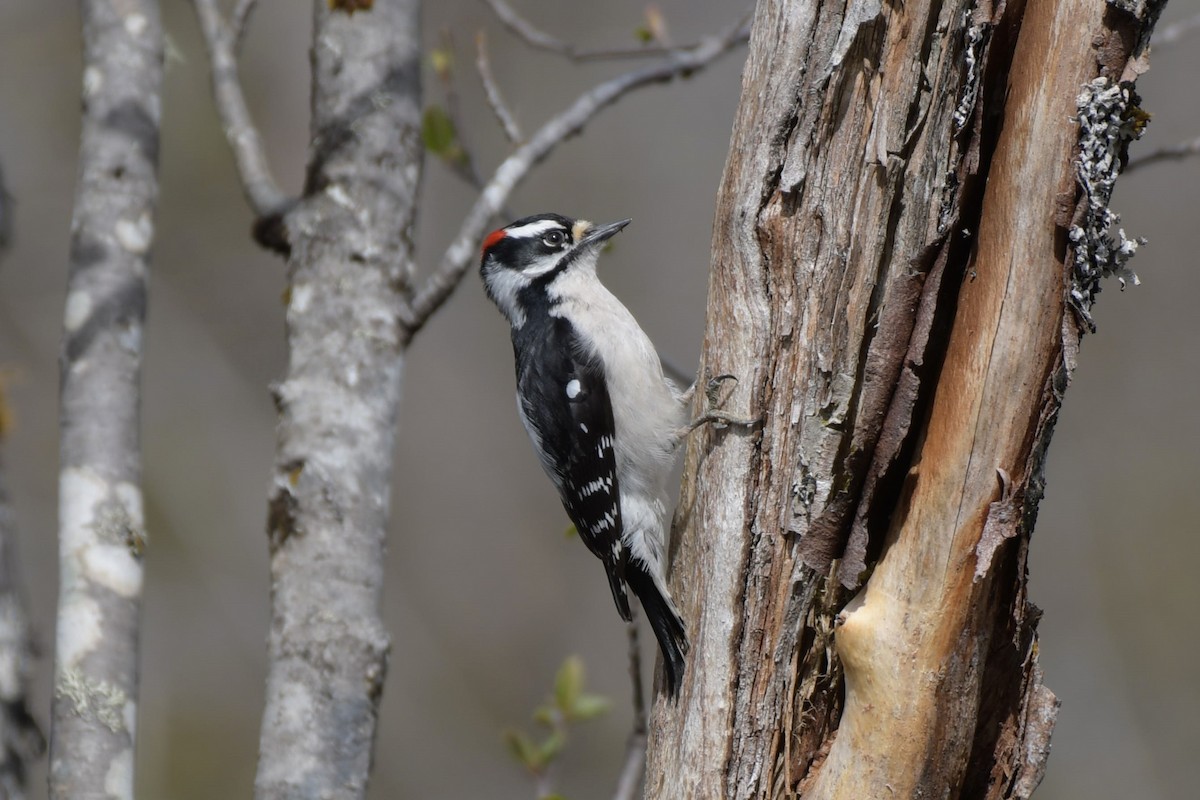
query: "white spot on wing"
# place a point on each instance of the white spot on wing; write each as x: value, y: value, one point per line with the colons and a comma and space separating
x: 573, y: 389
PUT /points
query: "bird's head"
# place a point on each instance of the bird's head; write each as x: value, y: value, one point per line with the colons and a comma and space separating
x: 528, y: 254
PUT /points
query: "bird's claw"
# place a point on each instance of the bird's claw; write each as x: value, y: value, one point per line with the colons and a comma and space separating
x: 714, y: 413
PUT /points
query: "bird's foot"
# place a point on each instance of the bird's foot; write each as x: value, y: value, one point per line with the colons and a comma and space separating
x: 714, y: 414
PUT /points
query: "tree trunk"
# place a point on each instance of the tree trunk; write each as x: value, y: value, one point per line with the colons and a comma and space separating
x: 902, y: 262
x: 101, y: 531
x: 350, y: 267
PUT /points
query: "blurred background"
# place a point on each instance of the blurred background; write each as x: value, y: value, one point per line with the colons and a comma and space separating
x: 485, y: 594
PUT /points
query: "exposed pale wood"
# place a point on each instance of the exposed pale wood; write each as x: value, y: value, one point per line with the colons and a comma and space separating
x: 914, y: 643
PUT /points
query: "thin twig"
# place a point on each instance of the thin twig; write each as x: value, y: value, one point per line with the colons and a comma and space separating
x: 1171, y: 34
x: 496, y: 100
x: 438, y: 287
x: 239, y: 20
x: 1175, y: 153
x: 464, y: 166
x: 541, y: 40
x: 260, y: 188
x: 635, y: 751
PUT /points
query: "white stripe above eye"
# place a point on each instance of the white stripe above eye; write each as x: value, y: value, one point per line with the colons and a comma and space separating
x: 532, y: 229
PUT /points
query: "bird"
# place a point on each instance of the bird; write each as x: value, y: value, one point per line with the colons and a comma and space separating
x: 604, y: 420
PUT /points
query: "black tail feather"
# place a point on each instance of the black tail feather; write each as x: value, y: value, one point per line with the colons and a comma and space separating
x: 616, y: 584
x: 664, y: 621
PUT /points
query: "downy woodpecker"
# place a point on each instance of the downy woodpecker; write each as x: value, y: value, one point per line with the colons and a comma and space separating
x: 604, y: 420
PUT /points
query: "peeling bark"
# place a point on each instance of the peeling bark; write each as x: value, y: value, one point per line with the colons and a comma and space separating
x: 101, y: 529
x: 890, y: 284
x: 350, y: 264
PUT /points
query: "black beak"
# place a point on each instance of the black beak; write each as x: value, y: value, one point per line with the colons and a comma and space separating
x: 599, y: 234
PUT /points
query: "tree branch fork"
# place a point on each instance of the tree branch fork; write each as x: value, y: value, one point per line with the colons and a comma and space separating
x: 272, y: 206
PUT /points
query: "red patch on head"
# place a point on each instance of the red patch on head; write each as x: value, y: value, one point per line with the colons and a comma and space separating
x: 493, y: 238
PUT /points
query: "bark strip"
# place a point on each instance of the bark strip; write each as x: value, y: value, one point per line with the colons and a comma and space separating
x: 101, y: 529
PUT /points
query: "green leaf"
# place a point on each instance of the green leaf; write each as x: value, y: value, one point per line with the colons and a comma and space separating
x: 589, y: 706
x: 552, y: 746
x: 545, y: 715
x: 568, y: 684
x: 526, y: 752
x: 441, y: 59
x: 437, y: 131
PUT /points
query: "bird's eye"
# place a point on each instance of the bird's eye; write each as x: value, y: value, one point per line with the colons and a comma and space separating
x: 553, y: 239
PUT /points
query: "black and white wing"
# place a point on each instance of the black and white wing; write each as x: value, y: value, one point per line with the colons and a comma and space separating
x: 564, y: 403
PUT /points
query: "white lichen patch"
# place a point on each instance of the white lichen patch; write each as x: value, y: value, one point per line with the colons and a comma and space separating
x: 1108, y: 120
x: 129, y: 336
x: 301, y: 297
x: 135, y: 235
x: 297, y: 707
x: 79, y: 308
x: 101, y: 535
x: 80, y: 493
x: 973, y: 48
x: 78, y: 630
x: 114, y: 567
x: 135, y: 24
x: 93, y: 699
x: 93, y: 79
x: 130, y: 498
x: 338, y: 195
x: 118, y: 780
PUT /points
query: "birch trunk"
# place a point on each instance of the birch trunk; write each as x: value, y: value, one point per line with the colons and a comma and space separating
x: 901, y: 263
x: 101, y: 529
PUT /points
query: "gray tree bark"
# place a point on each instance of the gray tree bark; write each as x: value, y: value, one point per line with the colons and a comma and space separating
x: 903, y: 257
x: 101, y: 529
x: 349, y: 265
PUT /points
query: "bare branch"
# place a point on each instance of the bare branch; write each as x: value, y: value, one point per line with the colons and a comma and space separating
x: 635, y: 751
x: 505, y: 117
x: 438, y: 287
x: 541, y: 40
x: 239, y: 20
x: 101, y: 528
x: 1175, y: 153
x: 1171, y: 34
x: 260, y: 188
